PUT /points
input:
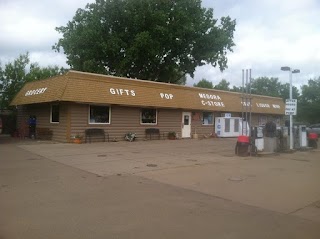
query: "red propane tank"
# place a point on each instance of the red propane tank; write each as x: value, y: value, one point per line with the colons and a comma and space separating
x: 313, y: 136
x: 243, y: 139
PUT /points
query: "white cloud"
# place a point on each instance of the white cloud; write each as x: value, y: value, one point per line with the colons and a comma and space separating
x: 269, y: 34
x: 49, y: 59
x: 30, y: 25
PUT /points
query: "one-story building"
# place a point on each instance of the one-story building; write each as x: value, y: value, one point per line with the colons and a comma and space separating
x: 69, y: 104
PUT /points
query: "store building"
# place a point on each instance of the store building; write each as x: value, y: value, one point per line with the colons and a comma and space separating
x: 70, y: 103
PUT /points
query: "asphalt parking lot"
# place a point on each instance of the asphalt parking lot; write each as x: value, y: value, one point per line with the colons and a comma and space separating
x: 175, y: 177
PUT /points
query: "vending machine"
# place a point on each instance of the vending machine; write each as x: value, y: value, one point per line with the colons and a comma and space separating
x: 231, y: 127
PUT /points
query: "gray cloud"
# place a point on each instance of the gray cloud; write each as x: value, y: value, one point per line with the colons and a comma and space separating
x: 269, y: 34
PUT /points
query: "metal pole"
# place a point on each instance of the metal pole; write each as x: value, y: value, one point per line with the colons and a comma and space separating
x: 242, y: 102
x: 246, y: 101
x: 250, y: 102
x: 291, y: 125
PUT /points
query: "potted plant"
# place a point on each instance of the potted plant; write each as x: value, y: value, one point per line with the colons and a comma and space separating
x: 77, y: 139
x: 195, y: 135
x: 130, y: 136
x: 172, y: 135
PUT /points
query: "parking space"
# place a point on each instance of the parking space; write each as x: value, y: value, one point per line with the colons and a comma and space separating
x: 106, y: 159
x: 285, y: 183
x: 155, y: 189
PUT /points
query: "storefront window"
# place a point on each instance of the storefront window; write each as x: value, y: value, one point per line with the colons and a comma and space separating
x: 227, y: 125
x: 99, y: 114
x: 148, y: 116
x: 207, y: 118
x: 54, y: 114
x: 236, y: 125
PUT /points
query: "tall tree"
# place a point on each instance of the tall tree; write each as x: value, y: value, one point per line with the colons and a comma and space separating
x: 203, y: 83
x: 236, y: 89
x: 266, y: 86
x: 272, y: 87
x: 160, y: 40
x: 15, y: 74
x: 223, y: 85
x: 309, y: 104
x: 12, y: 78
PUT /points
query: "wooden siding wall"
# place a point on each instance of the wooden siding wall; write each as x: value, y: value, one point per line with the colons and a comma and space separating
x: 42, y: 112
x: 22, y: 115
x: 124, y: 120
x: 127, y: 119
x: 60, y: 132
x: 169, y: 120
x: 74, y: 120
x: 198, y: 127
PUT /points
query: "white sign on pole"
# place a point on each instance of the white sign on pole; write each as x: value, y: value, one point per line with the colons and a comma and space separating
x: 291, y: 107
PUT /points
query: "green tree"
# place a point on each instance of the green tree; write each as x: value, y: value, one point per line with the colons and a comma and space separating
x: 309, y: 104
x: 223, y: 85
x: 12, y: 78
x: 266, y: 86
x: 160, y: 40
x: 36, y: 72
x: 272, y: 87
x: 203, y: 83
x: 236, y: 89
x: 285, y: 92
x: 15, y: 74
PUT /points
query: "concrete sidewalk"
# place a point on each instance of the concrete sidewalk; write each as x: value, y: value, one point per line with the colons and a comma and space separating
x: 156, y: 189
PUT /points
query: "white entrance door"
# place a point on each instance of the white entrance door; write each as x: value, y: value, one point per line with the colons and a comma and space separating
x: 186, y: 125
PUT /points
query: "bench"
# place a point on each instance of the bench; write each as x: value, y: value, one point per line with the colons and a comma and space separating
x: 95, y: 133
x: 152, y: 131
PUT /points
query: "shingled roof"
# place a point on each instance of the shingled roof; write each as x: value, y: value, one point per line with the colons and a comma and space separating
x: 81, y: 87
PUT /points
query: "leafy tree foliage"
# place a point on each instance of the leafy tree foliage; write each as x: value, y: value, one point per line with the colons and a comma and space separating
x: 203, y: 83
x: 236, y: 89
x: 15, y: 74
x: 284, y: 92
x: 266, y: 86
x: 309, y: 104
x: 158, y: 40
x: 272, y: 87
x: 223, y: 85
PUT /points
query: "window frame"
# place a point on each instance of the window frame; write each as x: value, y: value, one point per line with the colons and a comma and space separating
x: 51, y: 111
x: 141, y: 123
x: 89, y: 114
x: 212, y: 118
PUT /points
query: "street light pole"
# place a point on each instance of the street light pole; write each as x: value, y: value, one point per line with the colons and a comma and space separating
x: 287, y: 68
x: 291, y: 123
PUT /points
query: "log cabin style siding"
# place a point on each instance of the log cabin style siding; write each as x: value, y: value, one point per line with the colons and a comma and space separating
x: 125, y: 98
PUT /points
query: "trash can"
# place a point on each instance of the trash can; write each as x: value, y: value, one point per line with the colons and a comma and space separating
x: 242, y: 146
x: 313, y: 140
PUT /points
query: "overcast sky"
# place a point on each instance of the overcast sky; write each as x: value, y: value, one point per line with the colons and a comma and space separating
x: 269, y: 34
